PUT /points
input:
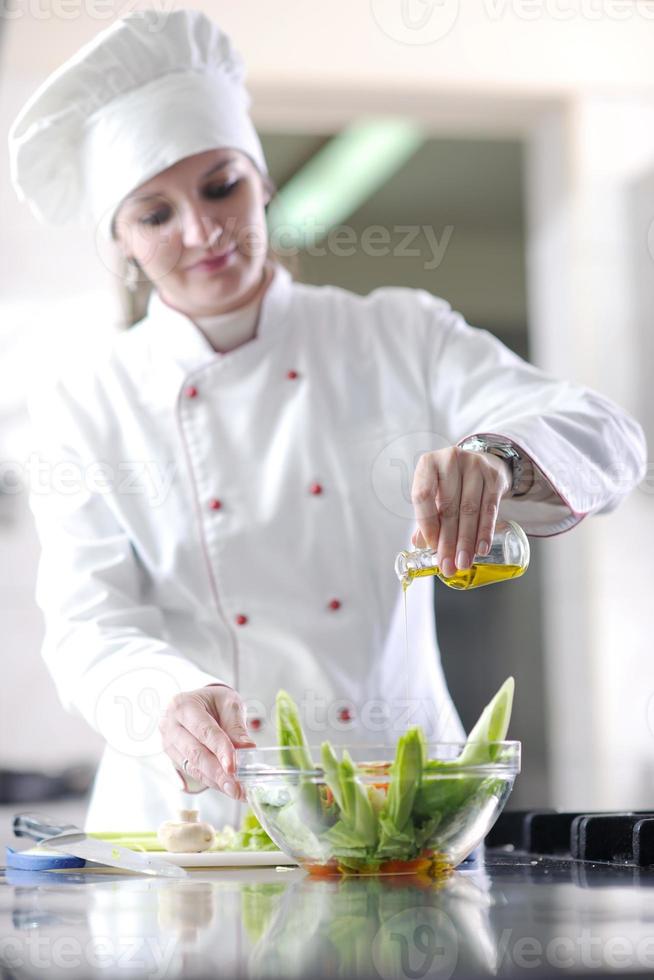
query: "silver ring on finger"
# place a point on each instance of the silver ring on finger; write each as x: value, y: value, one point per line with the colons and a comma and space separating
x: 185, y: 766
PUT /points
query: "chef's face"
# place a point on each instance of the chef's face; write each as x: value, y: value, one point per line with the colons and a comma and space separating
x: 209, y: 206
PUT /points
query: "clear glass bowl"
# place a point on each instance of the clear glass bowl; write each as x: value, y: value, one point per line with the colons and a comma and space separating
x: 452, y: 807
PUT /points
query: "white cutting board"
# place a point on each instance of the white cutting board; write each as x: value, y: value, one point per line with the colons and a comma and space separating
x: 190, y: 859
x: 227, y: 859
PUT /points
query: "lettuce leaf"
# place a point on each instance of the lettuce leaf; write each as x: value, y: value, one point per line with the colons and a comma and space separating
x: 251, y: 836
x: 357, y: 828
x: 438, y: 795
x: 492, y: 726
x: 406, y: 776
x: 290, y: 734
x: 397, y: 833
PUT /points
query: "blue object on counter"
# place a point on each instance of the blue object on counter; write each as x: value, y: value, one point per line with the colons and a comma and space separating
x: 26, y: 861
x: 55, y: 877
x: 475, y: 857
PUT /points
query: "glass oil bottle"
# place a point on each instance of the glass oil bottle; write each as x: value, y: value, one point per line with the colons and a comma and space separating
x: 507, y: 558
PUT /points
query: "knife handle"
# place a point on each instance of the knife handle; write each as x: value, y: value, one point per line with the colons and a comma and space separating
x: 38, y: 826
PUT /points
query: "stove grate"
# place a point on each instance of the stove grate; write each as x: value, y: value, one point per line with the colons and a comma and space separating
x: 614, y: 838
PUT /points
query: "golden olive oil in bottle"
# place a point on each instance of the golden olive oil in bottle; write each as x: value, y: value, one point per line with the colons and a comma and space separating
x: 507, y: 558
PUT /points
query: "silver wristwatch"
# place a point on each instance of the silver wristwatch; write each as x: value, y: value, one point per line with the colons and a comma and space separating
x: 502, y: 448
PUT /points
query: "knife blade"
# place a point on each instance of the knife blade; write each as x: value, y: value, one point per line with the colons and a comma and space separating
x: 72, y: 840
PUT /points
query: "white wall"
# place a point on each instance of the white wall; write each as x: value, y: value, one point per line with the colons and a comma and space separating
x: 585, y: 250
x: 35, y: 335
x: 512, y: 46
x: 35, y: 732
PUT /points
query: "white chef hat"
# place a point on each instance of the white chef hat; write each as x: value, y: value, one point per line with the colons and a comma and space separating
x: 150, y: 90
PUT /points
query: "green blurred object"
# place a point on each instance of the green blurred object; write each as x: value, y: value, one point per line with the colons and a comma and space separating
x: 340, y: 178
x: 258, y: 906
x: 291, y: 734
x: 251, y: 836
x: 355, y: 833
x: 492, y: 726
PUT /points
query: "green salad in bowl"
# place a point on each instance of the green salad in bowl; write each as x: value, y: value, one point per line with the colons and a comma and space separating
x: 361, y: 812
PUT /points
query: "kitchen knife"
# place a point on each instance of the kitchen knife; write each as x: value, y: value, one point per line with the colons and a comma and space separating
x: 71, y: 840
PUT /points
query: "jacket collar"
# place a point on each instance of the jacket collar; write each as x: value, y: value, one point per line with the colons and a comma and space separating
x: 175, y: 334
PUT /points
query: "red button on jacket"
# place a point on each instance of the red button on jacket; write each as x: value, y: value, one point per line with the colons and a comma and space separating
x: 335, y: 604
x: 215, y: 504
x: 291, y: 375
x: 191, y: 391
x: 315, y: 488
x: 241, y: 620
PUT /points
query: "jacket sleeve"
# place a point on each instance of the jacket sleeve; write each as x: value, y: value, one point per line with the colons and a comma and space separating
x: 104, y: 646
x: 586, y: 451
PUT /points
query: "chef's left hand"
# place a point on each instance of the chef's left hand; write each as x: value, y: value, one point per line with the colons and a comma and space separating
x: 456, y: 494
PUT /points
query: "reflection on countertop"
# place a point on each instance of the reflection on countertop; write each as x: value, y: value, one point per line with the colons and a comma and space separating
x: 514, y: 916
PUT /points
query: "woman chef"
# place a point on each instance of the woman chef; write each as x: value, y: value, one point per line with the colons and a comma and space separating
x: 298, y: 429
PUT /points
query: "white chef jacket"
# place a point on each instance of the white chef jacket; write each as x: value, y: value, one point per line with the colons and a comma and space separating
x: 226, y: 331
x: 236, y: 517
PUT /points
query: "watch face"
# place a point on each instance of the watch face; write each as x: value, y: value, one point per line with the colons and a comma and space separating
x: 504, y: 448
x: 474, y: 443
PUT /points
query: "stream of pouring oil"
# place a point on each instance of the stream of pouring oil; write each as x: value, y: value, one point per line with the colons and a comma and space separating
x: 470, y: 578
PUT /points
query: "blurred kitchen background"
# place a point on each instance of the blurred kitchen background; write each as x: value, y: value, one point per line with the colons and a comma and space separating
x: 530, y: 154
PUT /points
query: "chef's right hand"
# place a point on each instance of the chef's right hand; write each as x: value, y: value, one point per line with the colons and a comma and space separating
x: 204, y: 726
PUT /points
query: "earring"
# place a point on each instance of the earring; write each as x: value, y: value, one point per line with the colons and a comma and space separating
x: 132, y: 275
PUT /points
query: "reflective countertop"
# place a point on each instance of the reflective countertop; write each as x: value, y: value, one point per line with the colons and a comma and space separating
x: 515, y: 915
